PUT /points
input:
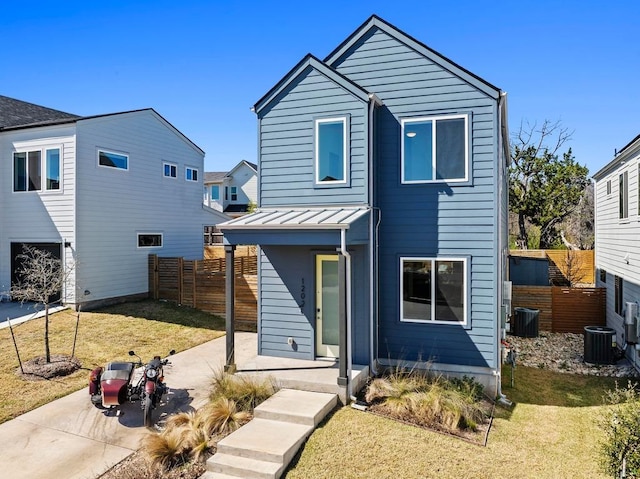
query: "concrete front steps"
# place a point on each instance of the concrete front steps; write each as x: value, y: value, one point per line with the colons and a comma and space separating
x: 264, y: 447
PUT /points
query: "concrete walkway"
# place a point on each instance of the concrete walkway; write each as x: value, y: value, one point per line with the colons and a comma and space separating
x: 69, y: 438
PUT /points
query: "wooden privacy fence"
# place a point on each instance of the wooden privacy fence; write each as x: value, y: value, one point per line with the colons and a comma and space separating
x: 563, y: 310
x: 201, y: 284
x: 564, y: 265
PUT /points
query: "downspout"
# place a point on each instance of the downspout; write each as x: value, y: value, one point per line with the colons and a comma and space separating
x: 347, y: 256
x: 373, y: 241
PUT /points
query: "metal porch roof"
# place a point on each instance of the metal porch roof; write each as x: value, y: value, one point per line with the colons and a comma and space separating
x: 296, y: 219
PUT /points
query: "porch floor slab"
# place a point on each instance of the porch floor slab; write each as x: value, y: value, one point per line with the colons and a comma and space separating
x: 306, y: 375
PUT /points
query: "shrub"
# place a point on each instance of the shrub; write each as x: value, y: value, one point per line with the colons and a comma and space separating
x: 621, y: 424
x: 246, y: 391
x: 430, y: 400
x: 166, y: 449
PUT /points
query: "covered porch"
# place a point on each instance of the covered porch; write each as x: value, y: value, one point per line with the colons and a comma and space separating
x: 314, y: 326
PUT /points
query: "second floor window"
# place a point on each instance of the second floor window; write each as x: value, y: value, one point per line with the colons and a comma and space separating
x: 191, y: 174
x: 435, y: 149
x: 215, y: 192
x: 331, y: 150
x: 234, y: 193
x: 624, y: 195
x: 170, y: 170
x: 113, y: 160
x: 29, y: 165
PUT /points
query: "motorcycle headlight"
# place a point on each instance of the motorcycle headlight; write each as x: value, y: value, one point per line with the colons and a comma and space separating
x: 152, y: 373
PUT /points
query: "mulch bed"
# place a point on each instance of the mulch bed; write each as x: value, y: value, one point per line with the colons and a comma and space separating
x: 38, y: 369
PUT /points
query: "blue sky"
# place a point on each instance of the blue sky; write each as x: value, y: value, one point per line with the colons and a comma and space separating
x: 203, y: 64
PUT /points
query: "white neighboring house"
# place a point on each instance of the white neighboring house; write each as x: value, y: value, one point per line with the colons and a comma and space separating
x: 617, y: 226
x: 102, y: 192
x: 232, y: 192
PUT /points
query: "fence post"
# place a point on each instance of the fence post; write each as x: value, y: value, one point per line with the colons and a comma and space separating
x: 194, y: 277
x: 230, y: 363
x: 180, y: 279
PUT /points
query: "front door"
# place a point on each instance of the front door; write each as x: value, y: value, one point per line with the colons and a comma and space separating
x: 327, y: 310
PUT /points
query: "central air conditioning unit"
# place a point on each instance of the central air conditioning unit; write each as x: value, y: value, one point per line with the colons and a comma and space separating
x: 631, y: 323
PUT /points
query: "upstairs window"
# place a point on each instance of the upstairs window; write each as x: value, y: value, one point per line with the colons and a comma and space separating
x: 190, y: 174
x: 149, y: 240
x: 28, y: 167
x: 608, y: 187
x: 331, y: 151
x: 170, y: 170
x: 433, y: 290
x: 234, y: 193
x: 623, y: 195
x: 113, y: 160
x: 435, y: 149
x: 215, y: 192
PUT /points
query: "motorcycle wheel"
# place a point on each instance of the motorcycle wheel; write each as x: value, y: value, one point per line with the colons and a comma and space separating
x: 147, y: 407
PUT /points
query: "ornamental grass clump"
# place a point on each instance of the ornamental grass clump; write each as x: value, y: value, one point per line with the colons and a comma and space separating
x: 191, y: 436
x: 428, y: 400
x: 620, y: 449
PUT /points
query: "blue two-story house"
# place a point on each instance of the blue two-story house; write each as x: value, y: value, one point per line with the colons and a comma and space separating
x: 382, y: 220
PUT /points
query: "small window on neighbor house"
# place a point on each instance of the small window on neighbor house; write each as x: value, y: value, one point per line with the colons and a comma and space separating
x: 191, y: 174
x: 603, y: 276
x: 623, y: 195
x: 113, y: 160
x: 52, y: 169
x: 435, y: 149
x: 433, y: 290
x: 149, y: 240
x: 608, y: 187
x: 331, y: 150
x: 234, y: 193
x: 215, y: 192
x: 619, y: 294
x: 28, y: 167
x: 170, y: 170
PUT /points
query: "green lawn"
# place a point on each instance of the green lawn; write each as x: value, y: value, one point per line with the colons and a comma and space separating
x: 551, y: 432
x: 148, y: 327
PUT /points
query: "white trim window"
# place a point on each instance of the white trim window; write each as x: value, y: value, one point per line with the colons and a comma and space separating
x: 623, y: 195
x: 149, y: 240
x: 215, y: 192
x: 28, y: 166
x: 234, y: 193
x: 433, y: 290
x: 111, y: 159
x: 191, y: 174
x: 169, y: 170
x: 608, y: 187
x: 330, y: 150
x: 435, y: 149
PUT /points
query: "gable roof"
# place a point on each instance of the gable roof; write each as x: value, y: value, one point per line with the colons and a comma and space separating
x: 310, y: 61
x: 619, y: 159
x: 253, y: 166
x: 21, y: 113
x: 18, y: 114
x: 376, y: 22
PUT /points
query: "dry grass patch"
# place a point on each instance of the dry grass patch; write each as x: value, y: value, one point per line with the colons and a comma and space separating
x: 149, y: 327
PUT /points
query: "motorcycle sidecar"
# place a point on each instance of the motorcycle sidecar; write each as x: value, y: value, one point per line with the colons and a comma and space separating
x: 114, y: 383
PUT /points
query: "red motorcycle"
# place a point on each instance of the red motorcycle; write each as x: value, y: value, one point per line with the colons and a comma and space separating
x: 119, y: 382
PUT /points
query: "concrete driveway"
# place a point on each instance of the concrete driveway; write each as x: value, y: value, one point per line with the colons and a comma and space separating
x: 70, y: 438
x: 18, y: 312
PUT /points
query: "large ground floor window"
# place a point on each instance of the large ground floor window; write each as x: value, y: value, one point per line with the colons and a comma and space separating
x: 433, y: 290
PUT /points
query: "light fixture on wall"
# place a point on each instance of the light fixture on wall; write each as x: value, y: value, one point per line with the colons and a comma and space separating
x: 411, y: 134
x: 67, y: 244
x: 626, y: 258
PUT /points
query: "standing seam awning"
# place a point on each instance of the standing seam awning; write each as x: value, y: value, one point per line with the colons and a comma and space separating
x: 297, y: 219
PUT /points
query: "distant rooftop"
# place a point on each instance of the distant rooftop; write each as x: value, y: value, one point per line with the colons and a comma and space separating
x: 214, y: 176
x: 21, y: 113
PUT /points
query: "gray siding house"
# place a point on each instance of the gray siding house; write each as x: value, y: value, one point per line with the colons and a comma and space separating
x: 232, y: 192
x: 99, y: 192
x: 382, y: 219
x: 617, y: 232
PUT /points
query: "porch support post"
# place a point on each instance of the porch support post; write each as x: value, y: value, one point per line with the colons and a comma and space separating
x: 230, y: 296
x: 343, y: 380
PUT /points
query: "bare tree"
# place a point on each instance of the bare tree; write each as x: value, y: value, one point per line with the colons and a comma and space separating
x: 41, y: 278
x: 573, y: 267
x: 544, y: 186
